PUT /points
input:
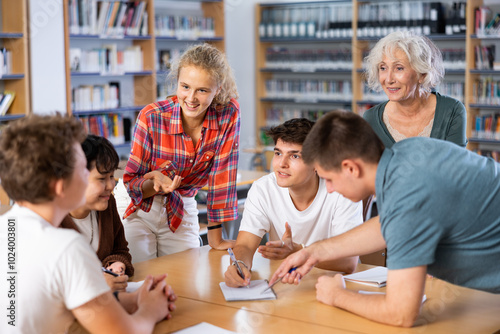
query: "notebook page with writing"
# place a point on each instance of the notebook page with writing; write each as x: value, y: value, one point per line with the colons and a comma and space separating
x: 254, y: 292
x: 375, y: 277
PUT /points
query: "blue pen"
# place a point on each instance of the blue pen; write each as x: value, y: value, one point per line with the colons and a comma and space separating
x: 235, y: 262
x: 109, y: 272
x: 279, y: 279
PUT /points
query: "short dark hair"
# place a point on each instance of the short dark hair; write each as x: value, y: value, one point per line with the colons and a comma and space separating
x: 341, y: 135
x: 36, y: 150
x: 293, y: 131
x: 100, y: 154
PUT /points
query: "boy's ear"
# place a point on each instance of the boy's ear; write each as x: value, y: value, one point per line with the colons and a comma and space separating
x: 351, y: 167
x: 58, y: 187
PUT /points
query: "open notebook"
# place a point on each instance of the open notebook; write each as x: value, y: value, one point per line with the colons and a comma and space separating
x: 254, y: 292
x: 374, y: 277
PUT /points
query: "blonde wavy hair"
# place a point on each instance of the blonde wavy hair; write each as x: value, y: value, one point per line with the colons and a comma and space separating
x: 423, y: 55
x: 213, y: 61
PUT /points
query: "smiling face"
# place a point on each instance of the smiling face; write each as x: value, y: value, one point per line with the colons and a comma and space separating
x: 397, y: 78
x: 288, y: 166
x: 196, y: 90
x: 99, y: 190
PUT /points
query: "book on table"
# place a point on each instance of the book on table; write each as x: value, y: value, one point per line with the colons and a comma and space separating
x: 376, y: 277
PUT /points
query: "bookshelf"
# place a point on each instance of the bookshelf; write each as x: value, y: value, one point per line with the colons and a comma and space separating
x: 481, y: 139
x: 14, y: 38
x: 310, y: 30
x: 138, y: 79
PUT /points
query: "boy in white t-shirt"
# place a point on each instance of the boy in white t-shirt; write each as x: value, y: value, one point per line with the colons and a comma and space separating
x: 54, y: 274
x: 293, y: 206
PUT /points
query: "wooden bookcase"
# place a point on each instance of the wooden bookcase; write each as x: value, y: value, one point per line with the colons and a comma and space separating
x: 14, y: 37
x: 358, y: 46
x: 144, y: 86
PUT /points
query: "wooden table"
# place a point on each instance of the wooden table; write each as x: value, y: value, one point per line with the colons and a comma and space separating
x: 195, y: 275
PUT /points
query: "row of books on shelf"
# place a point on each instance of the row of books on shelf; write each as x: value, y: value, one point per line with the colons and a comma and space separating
x: 164, y: 58
x: 109, y: 126
x: 308, y: 59
x: 495, y: 155
x: 317, y: 59
x: 307, y: 21
x: 452, y: 89
x: 375, y: 19
x: 5, y: 62
x: 453, y: 59
x: 96, y: 97
x: 6, y: 99
x: 162, y: 91
x: 487, y: 127
x: 448, y: 88
x: 107, y: 59
x: 380, y: 19
x: 485, y: 57
x: 486, y: 91
x: 184, y: 27
x: 370, y: 95
x: 309, y: 90
x: 487, y: 22
x: 278, y: 115
x: 108, y: 18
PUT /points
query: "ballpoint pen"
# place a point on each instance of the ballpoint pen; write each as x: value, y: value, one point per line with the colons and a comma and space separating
x: 109, y: 272
x: 279, y: 279
x: 235, y: 262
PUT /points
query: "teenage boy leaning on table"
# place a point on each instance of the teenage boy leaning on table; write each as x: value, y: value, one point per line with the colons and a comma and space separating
x: 439, y: 213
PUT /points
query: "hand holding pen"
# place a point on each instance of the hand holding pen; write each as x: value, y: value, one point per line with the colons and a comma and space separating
x: 115, y: 281
x: 237, y: 274
x: 294, y: 267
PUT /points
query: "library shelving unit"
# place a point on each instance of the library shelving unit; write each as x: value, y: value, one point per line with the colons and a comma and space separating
x: 273, y: 18
x: 475, y: 107
x: 139, y: 87
x: 14, y: 38
x: 131, y: 90
x: 206, y: 19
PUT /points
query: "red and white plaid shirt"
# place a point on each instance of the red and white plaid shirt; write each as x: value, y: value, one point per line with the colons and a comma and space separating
x: 160, y: 143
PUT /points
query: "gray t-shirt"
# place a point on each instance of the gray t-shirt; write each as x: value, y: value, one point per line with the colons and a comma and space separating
x: 439, y: 206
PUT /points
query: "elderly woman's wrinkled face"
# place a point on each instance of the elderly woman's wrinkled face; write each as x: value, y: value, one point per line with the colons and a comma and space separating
x: 398, y: 79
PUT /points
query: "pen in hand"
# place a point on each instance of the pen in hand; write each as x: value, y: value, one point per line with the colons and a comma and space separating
x: 279, y: 279
x: 109, y: 272
x: 235, y: 262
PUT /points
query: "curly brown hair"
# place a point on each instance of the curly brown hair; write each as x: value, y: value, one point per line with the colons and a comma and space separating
x: 35, y: 151
x: 212, y: 60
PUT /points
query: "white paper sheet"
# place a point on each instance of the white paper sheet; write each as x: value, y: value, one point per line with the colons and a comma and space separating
x: 254, y: 292
x: 204, y: 328
x: 132, y: 286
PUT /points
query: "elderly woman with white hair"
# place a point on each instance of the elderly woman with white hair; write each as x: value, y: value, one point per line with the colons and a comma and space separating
x: 407, y: 67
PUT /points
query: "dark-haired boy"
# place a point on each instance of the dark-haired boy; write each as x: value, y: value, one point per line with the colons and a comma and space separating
x: 291, y: 202
x: 438, y: 207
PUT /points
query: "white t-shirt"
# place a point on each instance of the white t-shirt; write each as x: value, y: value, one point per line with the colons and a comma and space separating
x: 56, y: 271
x: 268, y: 207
